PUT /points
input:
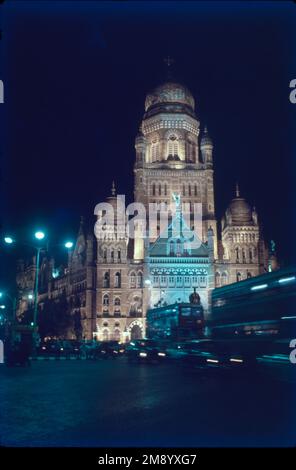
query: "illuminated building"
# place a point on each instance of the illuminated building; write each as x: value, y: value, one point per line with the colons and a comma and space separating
x: 117, y: 282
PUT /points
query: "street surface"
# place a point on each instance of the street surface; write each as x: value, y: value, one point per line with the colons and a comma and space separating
x: 114, y: 403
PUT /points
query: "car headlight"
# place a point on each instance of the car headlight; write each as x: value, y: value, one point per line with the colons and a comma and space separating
x: 143, y: 354
x: 161, y: 354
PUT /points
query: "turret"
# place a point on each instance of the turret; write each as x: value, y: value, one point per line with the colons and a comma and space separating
x: 206, y: 147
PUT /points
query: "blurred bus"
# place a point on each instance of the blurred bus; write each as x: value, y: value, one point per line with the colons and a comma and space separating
x: 263, y: 306
x: 179, y: 321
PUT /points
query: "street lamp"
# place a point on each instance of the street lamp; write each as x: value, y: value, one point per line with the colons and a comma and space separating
x: 69, y: 245
x: 8, y: 240
x: 2, y: 307
x: 39, y: 235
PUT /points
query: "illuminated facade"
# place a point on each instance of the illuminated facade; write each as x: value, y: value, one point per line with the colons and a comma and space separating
x: 123, y: 277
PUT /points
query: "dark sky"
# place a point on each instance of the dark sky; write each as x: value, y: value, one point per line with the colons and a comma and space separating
x: 76, y: 75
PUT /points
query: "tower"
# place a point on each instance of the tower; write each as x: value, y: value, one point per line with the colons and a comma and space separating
x: 170, y: 159
x: 242, y: 242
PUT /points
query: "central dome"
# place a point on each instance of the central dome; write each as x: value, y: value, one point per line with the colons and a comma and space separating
x: 170, y: 93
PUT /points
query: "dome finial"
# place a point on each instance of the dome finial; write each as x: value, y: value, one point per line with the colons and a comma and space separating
x: 113, y: 190
x: 237, y: 192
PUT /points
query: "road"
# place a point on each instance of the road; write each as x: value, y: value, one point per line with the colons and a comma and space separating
x: 112, y: 403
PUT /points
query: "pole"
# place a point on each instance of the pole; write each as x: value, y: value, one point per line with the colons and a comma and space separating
x: 36, y: 288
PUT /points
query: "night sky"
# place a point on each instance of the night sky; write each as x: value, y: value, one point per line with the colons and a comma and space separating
x: 76, y: 75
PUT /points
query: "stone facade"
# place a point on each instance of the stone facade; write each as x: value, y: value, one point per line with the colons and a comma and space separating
x: 119, y: 279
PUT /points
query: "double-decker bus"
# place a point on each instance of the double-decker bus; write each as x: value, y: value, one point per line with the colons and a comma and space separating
x: 180, y: 321
x: 263, y: 306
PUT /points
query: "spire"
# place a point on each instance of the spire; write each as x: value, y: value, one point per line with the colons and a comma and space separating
x: 113, y: 190
x: 205, y: 129
x: 81, y: 225
x: 237, y: 193
x: 169, y: 62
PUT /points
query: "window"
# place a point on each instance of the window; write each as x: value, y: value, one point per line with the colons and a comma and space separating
x: 189, y: 190
x: 244, y: 255
x: 165, y: 190
x: 173, y: 147
x: 106, y: 300
x: 163, y: 280
x: 132, y: 280
x: 179, y: 281
x: 106, y: 280
x: 237, y: 254
x: 251, y: 255
x: 153, y: 189
x: 202, y: 281
x: 194, y: 281
x: 218, y: 279
x: 224, y: 279
x: 159, y: 189
x: 112, y: 256
x: 171, y: 281
x: 140, y: 280
x: 105, y: 255
x: 155, y: 281
x: 117, y: 280
x: 238, y: 277
x: 195, y: 190
x: 119, y: 255
x: 249, y: 274
x: 187, y: 281
x: 184, y: 190
x: 117, y: 301
x: 117, y: 334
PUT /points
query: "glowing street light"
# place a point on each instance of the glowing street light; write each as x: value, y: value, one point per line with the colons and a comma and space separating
x: 30, y: 296
x: 69, y: 245
x: 2, y: 307
x: 39, y: 235
x: 8, y: 240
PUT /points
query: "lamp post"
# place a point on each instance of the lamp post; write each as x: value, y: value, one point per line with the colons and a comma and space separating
x: 39, y: 236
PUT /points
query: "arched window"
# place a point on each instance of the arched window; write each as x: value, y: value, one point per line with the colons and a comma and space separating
x: 173, y: 146
x: 218, y: 279
x: 189, y: 190
x: 244, y: 255
x: 251, y: 255
x: 140, y: 280
x: 105, y: 335
x: 224, y: 279
x: 105, y: 255
x: 132, y: 280
x: 159, y: 189
x: 195, y: 190
x: 106, y: 300
x: 116, y: 334
x: 117, y: 280
x: 153, y: 189
x: 106, y: 280
x: 117, y: 301
x: 112, y: 256
x: 184, y: 190
x: 237, y: 254
x: 165, y: 190
x: 238, y: 277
